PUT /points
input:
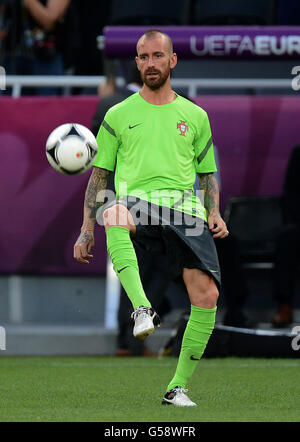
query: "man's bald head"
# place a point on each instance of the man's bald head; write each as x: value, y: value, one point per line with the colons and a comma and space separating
x: 153, y: 34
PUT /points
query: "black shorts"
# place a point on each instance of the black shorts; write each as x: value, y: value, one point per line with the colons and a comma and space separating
x: 185, y: 239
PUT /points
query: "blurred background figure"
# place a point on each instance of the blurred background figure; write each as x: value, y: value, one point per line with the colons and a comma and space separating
x: 154, y: 277
x: 35, y: 42
x: 110, y: 95
x: 234, y: 288
x: 158, y: 286
x: 93, y: 16
x: 288, y: 244
x: 153, y: 271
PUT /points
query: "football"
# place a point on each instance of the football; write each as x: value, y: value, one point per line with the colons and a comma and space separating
x: 71, y: 148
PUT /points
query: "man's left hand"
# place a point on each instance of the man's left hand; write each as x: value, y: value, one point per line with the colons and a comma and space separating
x: 217, y: 226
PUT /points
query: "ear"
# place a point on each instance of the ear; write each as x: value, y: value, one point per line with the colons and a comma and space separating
x: 137, y: 62
x: 173, y: 60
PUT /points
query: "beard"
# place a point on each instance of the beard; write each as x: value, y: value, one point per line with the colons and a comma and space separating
x: 156, y: 81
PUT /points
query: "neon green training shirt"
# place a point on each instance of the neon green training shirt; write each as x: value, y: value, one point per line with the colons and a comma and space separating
x: 156, y: 151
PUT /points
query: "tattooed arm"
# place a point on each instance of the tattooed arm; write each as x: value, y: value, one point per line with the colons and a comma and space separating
x: 209, y: 185
x: 85, y: 241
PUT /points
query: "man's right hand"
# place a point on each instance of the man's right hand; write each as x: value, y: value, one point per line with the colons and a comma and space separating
x: 83, y: 246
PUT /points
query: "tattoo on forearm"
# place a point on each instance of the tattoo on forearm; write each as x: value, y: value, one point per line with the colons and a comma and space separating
x: 209, y: 185
x: 97, y: 182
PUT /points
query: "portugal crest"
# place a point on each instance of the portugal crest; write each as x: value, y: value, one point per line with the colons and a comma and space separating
x: 183, y: 127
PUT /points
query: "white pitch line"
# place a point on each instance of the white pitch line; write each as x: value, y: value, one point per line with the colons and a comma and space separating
x: 160, y: 363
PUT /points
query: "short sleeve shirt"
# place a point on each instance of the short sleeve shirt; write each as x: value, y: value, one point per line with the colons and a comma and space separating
x: 156, y: 151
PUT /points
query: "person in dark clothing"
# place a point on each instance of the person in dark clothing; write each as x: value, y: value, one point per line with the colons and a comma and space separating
x: 111, y: 99
x: 234, y: 287
x: 34, y: 41
x: 153, y: 276
x: 288, y: 244
x: 153, y: 271
x: 94, y: 15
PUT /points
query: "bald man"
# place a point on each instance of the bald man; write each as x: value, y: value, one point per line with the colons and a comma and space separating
x: 157, y: 142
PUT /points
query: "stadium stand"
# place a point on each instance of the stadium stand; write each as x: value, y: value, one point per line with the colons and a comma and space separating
x: 233, y: 12
x: 288, y: 12
x: 255, y: 222
x: 150, y: 12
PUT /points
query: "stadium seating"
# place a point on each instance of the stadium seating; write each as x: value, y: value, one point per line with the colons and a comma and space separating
x: 233, y: 12
x: 150, y: 12
x: 288, y: 12
x: 255, y: 222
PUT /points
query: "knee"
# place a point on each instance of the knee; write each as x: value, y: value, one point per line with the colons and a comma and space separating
x: 119, y: 216
x: 201, y: 288
x: 108, y: 216
x: 115, y: 216
x: 208, y: 297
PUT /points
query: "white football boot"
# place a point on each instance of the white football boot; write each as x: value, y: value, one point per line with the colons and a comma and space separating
x: 177, y: 397
x: 145, y: 321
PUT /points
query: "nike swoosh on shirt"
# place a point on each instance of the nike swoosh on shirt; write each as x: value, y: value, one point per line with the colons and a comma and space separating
x: 131, y: 127
x: 119, y: 271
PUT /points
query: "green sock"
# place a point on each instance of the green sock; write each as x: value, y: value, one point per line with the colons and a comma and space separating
x: 122, y: 254
x: 197, y: 333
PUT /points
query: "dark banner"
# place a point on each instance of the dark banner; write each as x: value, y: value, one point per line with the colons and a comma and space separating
x: 41, y: 210
x: 192, y: 42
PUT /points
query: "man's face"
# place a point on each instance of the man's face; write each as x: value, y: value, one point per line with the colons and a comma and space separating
x: 154, y: 61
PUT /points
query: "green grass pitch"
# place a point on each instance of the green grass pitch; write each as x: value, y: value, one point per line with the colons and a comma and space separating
x: 110, y: 389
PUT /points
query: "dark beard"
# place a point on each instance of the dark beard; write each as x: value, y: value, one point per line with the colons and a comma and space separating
x: 158, y: 82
